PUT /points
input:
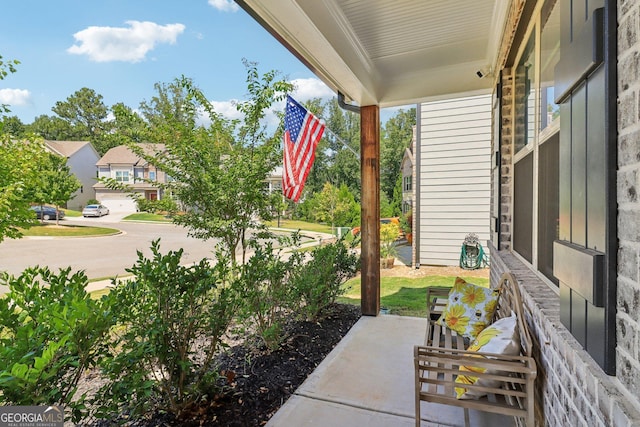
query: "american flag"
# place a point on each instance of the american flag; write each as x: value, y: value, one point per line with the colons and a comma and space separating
x: 302, y: 132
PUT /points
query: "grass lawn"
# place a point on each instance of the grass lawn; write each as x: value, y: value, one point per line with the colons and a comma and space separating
x: 145, y: 216
x: 307, y: 226
x: 99, y: 293
x: 300, y: 225
x: 404, y: 296
x: 71, y: 213
x: 50, y: 229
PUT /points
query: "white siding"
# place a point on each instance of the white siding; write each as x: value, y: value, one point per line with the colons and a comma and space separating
x: 83, y: 165
x: 454, y: 179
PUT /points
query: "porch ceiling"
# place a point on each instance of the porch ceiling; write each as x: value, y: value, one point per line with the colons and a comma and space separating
x: 389, y: 53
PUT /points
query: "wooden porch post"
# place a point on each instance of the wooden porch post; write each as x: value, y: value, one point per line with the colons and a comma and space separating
x: 370, y: 218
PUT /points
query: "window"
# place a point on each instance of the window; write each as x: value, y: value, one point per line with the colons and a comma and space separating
x: 104, y: 172
x: 549, y: 56
x: 122, y: 176
x: 525, y: 96
x: 536, y: 143
x: 549, y: 142
x: 407, y: 183
x: 152, y: 175
x: 139, y: 174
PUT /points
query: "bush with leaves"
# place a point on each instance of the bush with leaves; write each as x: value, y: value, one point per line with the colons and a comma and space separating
x: 389, y: 233
x: 171, y: 320
x: 166, y: 205
x: 51, y: 332
x: 266, y: 293
x: 406, y: 222
x: 317, y: 282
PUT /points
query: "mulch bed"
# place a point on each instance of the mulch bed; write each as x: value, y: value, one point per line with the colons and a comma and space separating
x: 259, y: 382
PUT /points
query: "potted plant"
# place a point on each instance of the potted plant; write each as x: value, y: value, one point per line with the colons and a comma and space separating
x: 389, y: 233
x: 406, y: 225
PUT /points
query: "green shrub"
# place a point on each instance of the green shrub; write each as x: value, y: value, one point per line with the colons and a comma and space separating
x: 389, y: 233
x: 165, y: 205
x: 93, y: 202
x: 406, y: 222
x: 171, y: 319
x: 266, y: 295
x: 317, y: 282
x: 51, y: 332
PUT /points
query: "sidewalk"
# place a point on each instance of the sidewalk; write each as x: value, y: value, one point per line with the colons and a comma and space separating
x: 404, y: 253
x: 367, y: 380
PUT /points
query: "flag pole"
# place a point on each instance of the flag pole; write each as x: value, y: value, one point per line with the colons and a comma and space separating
x: 342, y: 142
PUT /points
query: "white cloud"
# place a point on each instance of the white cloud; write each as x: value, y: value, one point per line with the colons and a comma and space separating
x: 224, y: 5
x: 104, y: 44
x: 306, y: 89
x: 15, y: 97
x: 227, y: 109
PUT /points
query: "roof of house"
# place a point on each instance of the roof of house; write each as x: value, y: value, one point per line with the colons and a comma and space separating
x: 65, y: 148
x: 407, y: 157
x: 123, y: 155
x: 387, y: 53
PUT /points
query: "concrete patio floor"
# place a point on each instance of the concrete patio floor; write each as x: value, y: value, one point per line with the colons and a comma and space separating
x: 367, y: 380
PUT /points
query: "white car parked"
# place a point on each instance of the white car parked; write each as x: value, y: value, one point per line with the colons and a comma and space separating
x: 95, y: 210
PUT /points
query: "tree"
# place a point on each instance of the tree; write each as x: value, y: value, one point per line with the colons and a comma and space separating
x: 85, y: 111
x: 335, y: 206
x: 19, y: 163
x: 218, y: 172
x: 396, y: 137
x: 13, y: 126
x: 54, y: 184
x: 386, y: 209
x: 344, y: 164
x: 52, y: 128
x: 6, y: 67
x: 396, y: 202
x: 351, y: 215
x: 171, y: 102
x: 127, y: 126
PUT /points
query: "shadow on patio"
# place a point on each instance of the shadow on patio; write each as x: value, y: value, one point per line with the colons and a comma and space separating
x: 367, y: 380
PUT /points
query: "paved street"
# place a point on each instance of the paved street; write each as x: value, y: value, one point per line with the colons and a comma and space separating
x: 108, y: 256
x: 100, y: 256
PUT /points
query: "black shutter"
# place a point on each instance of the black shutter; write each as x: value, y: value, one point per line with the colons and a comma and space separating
x: 585, y: 254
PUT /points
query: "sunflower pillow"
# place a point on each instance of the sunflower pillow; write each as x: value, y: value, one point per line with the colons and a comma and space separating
x: 469, y: 308
x: 501, y: 338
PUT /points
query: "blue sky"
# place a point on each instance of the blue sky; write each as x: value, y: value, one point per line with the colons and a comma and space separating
x: 121, y: 48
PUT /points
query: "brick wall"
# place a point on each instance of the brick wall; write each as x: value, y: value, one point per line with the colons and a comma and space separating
x: 506, y: 147
x: 571, y: 389
x: 628, y: 177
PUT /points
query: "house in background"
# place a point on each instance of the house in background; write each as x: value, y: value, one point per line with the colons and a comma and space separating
x: 126, y: 167
x: 407, y: 170
x: 81, y: 158
x: 274, y: 180
x: 453, y: 176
